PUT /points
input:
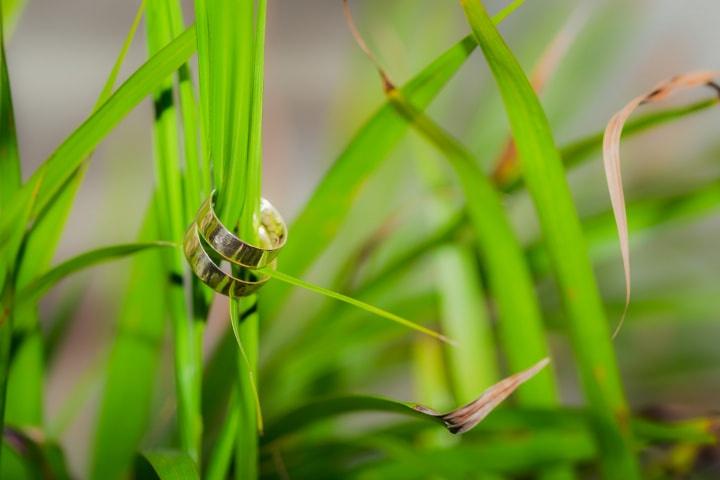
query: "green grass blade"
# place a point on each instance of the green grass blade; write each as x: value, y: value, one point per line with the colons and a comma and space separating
x: 9, y: 156
x: 510, y: 282
x: 430, y: 382
x: 219, y: 373
x: 165, y: 465
x: 240, y: 170
x: 45, y: 183
x: 107, y: 89
x: 9, y: 183
x: 246, y: 367
x: 545, y: 179
x: 473, y: 364
x: 247, y: 402
x: 304, y: 415
x: 25, y: 399
x: 518, y: 456
x: 231, y: 85
x: 36, y: 288
x: 322, y: 216
x: 340, y: 333
x: 197, y: 175
x: 222, y: 452
x: 12, y: 10
x: 130, y: 379
x: 290, y: 280
x: 172, y: 221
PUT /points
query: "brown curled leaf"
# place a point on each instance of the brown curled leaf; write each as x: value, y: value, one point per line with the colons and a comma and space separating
x: 611, y: 158
x: 466, y: 417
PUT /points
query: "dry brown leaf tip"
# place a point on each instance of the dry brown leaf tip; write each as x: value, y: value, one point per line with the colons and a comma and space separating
x: 611, y: 157
x: 468, y: 416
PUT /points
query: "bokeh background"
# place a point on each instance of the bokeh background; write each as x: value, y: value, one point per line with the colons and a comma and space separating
x: 319, y: 89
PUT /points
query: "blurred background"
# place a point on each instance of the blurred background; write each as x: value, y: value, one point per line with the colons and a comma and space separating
x: 320, y: 89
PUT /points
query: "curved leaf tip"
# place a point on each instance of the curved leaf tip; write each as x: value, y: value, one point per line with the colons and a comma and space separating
x: 468, y: 416
x: 611, y: 158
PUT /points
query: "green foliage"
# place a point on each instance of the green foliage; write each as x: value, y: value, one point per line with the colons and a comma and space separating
x: 165, y: 465
x: 467, y: 285
x: 545, y: 180
x: 132, y: 364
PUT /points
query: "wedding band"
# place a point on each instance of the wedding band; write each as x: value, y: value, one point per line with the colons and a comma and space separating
x: 272, y: 232
x: 211, y: 274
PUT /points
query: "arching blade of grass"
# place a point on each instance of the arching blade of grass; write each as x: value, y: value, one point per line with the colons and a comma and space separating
x: 472, y: 365
x: 36, y: 194
x: 456, y: 421
x: 598, y: 230
x: 510, y: 281
x: 165, y: 465
x: 522, y: 333
x: 503, y: 420
x: 25, y: 400
x: 545, y: 179
x: 646, y: 213
x: 322, y: 409
x: 47, y: 280
x: 290, y: 280
x: 323, y: 215
x: 44, y: 236
x: 293, y: 371
x: 132, y: 367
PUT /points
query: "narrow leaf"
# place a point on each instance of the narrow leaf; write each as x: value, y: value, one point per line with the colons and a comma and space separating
x: 611, y: 157
x: 283, y: 277
x: 545, y: 178
x: 465, y: 418
x: 9, y: 156
x: 328, y: 207
x: 509, y: 278
x: 46, y: 281
x: 44, y: 184
x: 131, y: 371
x: 456, y: 421
x: 165, y: 465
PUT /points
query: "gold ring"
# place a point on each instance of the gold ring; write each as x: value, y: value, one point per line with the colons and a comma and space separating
x: 272, y: 233
x: 211, y: 274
